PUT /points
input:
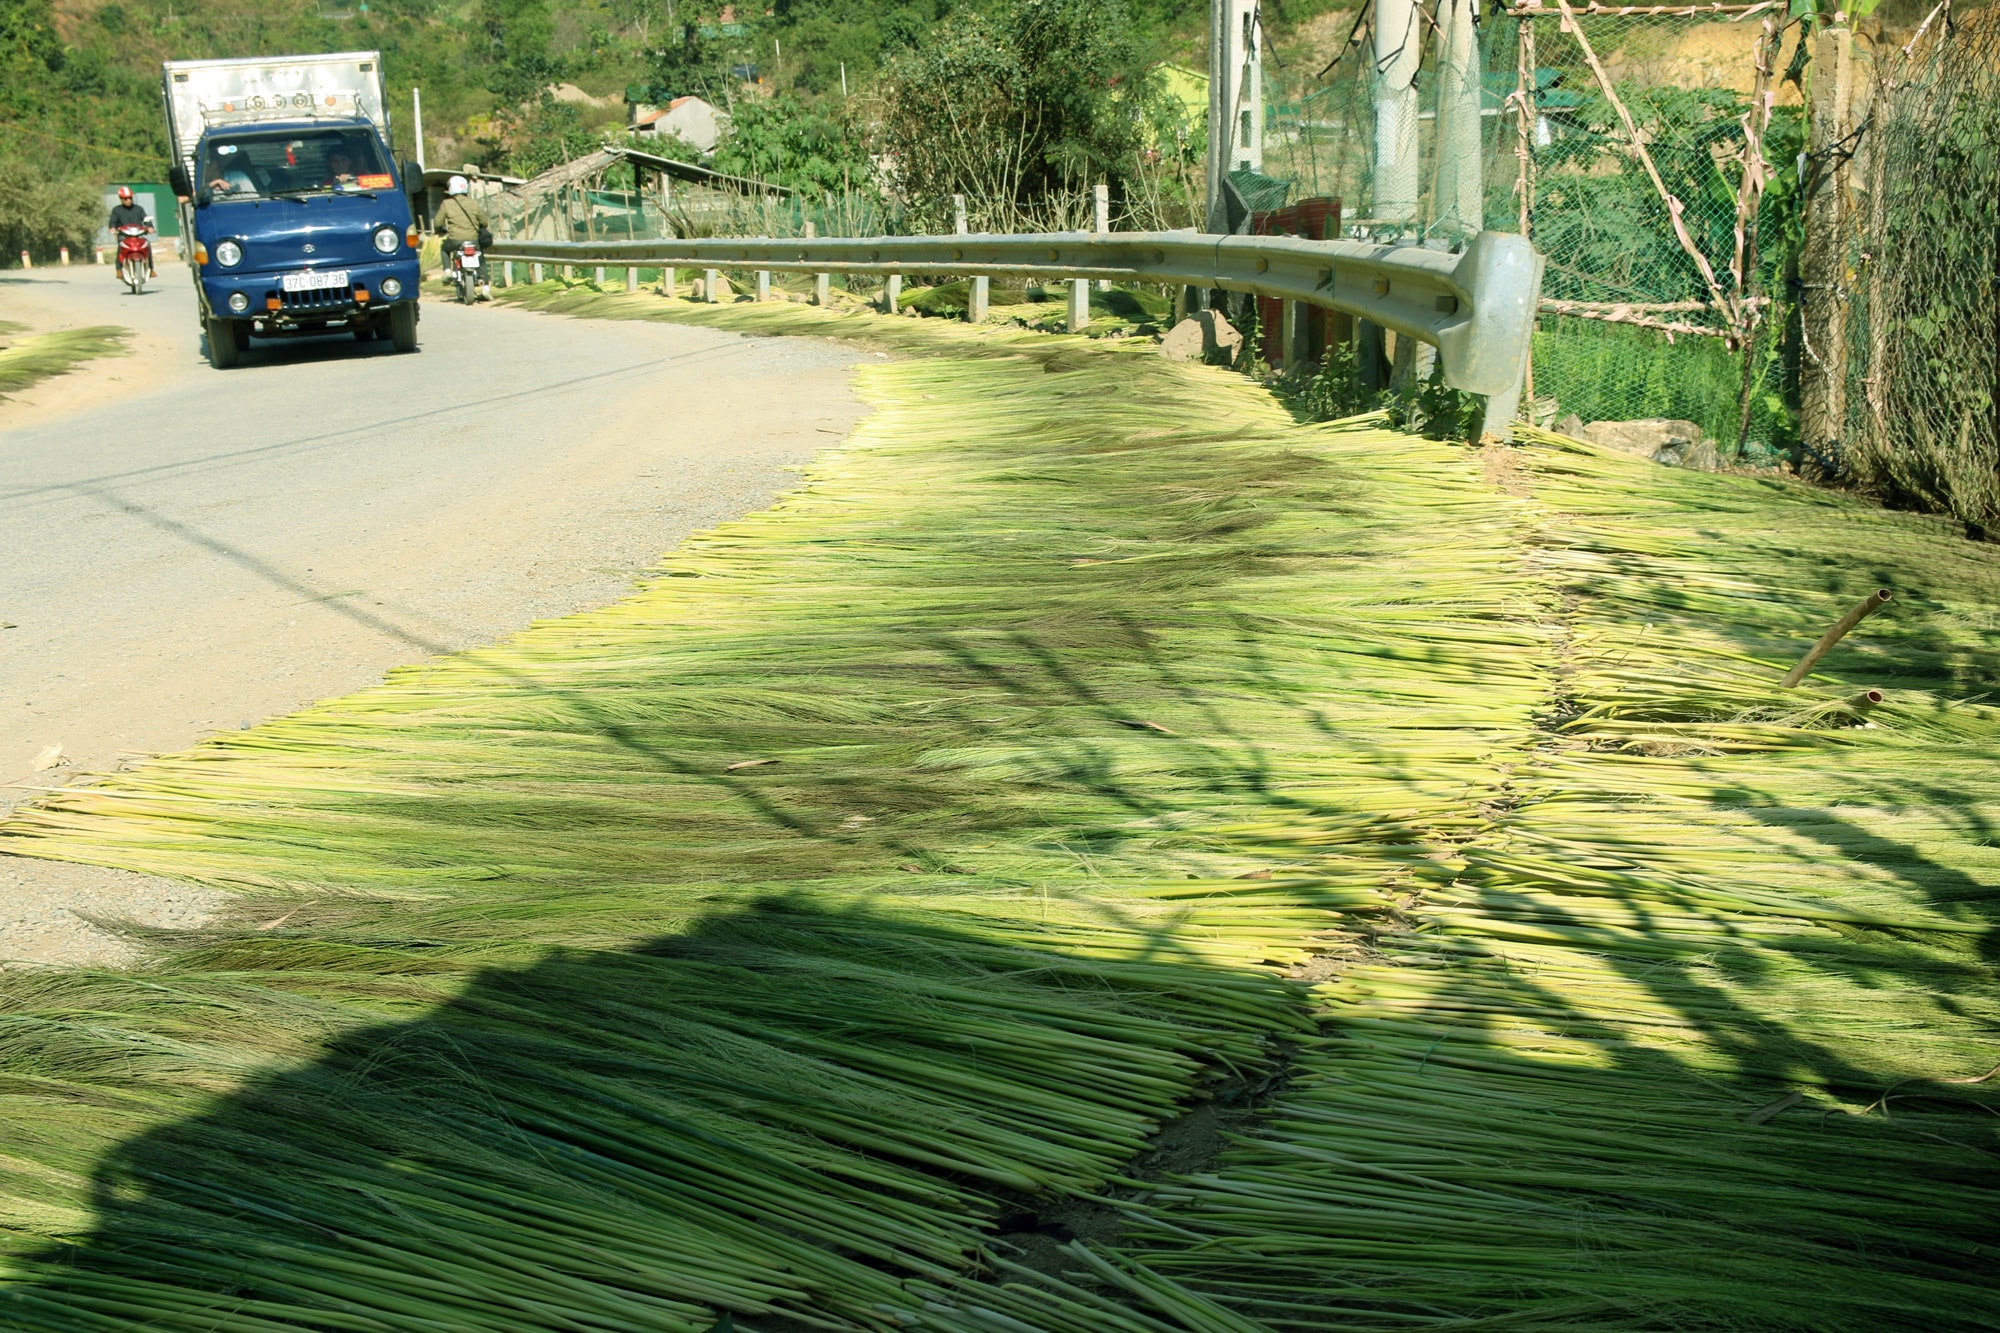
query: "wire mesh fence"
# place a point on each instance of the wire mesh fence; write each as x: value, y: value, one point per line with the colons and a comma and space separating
x: 1632, y: 145
x: 1922, y: 315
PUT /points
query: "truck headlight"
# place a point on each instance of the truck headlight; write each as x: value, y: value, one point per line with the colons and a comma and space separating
x: 386, y: 240
x: 392, y: 288
x: 238, y: 302
x: 228, y: 254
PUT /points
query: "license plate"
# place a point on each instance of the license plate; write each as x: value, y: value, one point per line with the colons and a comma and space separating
x: 318, y: 281
x: 468, y: 261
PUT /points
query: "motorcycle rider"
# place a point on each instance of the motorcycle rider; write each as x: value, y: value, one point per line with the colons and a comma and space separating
x: 125, y: 213
x: 460, y: 219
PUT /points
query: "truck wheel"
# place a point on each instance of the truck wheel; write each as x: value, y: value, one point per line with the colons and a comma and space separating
x: 403, y: 326
x: 223, y: 349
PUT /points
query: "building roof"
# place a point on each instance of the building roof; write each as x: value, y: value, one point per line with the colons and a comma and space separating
x: 592, y: 164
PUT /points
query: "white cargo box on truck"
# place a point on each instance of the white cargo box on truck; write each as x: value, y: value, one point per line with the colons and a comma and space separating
x: 204, y: 94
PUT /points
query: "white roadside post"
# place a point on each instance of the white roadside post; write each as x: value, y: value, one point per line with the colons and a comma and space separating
x: 506, y: 273
x: 821, y: 286
x: 535, y: 274
x: 597, y: 276
x: 980, y: 289
x: 669, y: 282
x: 763, y: 284
x: 892, y: 293
x: 65, y: 256
x: 631, y: 278
x: 711, y: 279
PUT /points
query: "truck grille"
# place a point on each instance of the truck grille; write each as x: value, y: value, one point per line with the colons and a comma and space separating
x: 323, y: 299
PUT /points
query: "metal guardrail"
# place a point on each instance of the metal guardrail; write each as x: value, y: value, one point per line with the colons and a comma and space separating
x: 1477, y: 307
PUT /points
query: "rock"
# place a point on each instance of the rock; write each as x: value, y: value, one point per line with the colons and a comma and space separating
x: 1183, y: 342
x: 50, y: 758
x: 1674, y: 443
x: 1571, y: 425
x: 1205, y: 335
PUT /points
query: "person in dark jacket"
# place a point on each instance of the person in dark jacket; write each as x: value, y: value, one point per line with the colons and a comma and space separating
x: 125, y: 213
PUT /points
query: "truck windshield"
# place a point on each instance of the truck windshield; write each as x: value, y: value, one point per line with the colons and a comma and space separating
x: 274, y: 164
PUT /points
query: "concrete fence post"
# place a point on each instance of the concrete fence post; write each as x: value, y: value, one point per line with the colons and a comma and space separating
x: 669, y: 282
x: 711, y: 279
x: 27, y: 260
x: 97, y: 254
x: 631, y: 278
x: 892, y: 293
x: 535, y: 274
x: 763, y: 284
x: 597, y: 276
x: 506, y: 273
x: 1079, y: 304
x: 821, y: 286
x: 65, y: 256
x: 1101, y: 201
x: 1293, y: 337
x: 977, y: 297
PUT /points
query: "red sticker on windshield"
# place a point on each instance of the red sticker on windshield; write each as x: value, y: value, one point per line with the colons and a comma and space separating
x: 382, y: 182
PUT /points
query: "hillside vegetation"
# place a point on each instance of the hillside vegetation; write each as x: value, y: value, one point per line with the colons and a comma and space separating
x: 79, y: 100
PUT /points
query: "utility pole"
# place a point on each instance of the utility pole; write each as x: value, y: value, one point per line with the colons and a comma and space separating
x: 417, y: 114
x: 1398, y: 50
x: 1235, y: 99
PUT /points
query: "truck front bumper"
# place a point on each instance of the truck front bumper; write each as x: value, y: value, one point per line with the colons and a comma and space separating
x: 370, y: 289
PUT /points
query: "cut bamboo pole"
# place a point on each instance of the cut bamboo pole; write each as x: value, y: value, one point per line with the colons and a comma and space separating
x: 1861, y: 610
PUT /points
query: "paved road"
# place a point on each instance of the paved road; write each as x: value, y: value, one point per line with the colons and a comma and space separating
x: 184, y: 550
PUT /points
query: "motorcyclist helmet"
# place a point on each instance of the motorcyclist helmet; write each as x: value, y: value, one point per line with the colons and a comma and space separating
x: 124, y: 194
x: 456, y: 185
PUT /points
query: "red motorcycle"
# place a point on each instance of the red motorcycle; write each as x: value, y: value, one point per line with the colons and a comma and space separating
x: 467, y: 261
x: 135, y: 257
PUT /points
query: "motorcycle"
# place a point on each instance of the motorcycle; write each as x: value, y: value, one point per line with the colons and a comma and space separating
x: 135, y: 257
x: 466, y: 265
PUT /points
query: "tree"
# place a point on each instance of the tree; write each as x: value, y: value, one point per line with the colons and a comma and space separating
x: 1043, y: 99
x: 815, y: 148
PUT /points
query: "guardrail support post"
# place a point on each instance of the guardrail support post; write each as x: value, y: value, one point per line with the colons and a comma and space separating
x: 1292, y: 336
x: 711, y: 279
x: 892, y: 292
x: 670, y: 282
x: 597, y: 276
x: 822, y: 289
x: 535, y: 273
x: 631, y: 278
x: 763, y: 284
x: 1079, y: 304
x: 506, y: 273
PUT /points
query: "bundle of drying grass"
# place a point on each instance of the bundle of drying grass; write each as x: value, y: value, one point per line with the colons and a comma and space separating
x: 741, y: 946
x: 904, y: 855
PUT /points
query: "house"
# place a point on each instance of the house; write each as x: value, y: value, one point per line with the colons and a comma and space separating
x: 689, y: 119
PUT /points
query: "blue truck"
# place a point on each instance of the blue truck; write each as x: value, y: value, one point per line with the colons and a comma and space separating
x: 293, y: 210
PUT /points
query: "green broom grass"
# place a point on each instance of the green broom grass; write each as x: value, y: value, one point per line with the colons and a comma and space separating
x: 881, y: 864
x: 28, y: 361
